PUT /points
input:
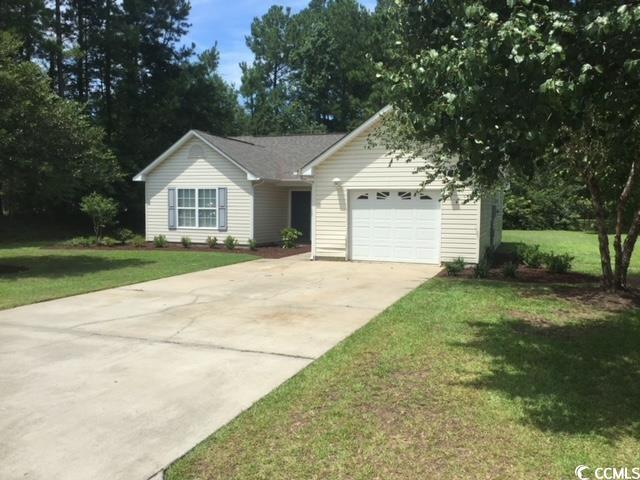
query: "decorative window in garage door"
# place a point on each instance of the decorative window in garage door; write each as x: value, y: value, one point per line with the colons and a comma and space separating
x: 405, y: 195
x: 382, y: 195
x: 363, y: 196
x: 424, y: 196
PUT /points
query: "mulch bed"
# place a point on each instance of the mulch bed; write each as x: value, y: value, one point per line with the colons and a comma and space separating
x: 270, y: 251
x: 531, y: 275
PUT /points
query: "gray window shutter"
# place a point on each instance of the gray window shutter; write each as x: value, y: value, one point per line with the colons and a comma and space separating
x: 222, y: 209
x: 172, y: 209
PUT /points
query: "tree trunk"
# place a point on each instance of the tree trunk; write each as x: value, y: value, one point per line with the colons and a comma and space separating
x: 59, y: 50
x: 107, y: 71
x: 627, y: 252
x: 603, y: 238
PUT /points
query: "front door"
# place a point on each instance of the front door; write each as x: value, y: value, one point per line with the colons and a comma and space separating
x: 301, y: 214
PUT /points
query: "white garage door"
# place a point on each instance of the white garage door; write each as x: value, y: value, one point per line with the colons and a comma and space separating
x: 395, y: 226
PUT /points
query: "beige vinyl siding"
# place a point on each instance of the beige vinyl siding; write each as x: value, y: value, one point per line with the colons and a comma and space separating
x: 486, y: 213
x: 361, y: 167
x: 208, y: 170
x: 271, y: 212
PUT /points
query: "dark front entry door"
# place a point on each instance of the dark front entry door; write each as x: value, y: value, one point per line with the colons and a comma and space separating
x: 301, y: 214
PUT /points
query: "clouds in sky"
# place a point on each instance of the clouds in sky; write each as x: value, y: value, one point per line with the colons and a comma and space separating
x: 228, y: 22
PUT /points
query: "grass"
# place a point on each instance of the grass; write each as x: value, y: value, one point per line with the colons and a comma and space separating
x: 583, y: 246
x: 53, y: 273
x: 459, y: 379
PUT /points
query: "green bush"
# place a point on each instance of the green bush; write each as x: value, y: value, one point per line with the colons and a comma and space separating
x: 212, y: 242
x: 80, y: 242
x: 559, y: 263
x: 109, y: 242
x: 510, y: 269
x: 124, y: 235
x: 102, y: 211
x: 456, y: 267
x: 481, y: 270
x: 137, y: 241
x: 160, y: 241
x: 253, y: 245
x: 186, y: 242
x: 290, y: 237
x: 230, y: 242
x: 531, y: 255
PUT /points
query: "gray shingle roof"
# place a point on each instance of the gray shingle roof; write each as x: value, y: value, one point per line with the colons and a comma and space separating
x: 273, y: 157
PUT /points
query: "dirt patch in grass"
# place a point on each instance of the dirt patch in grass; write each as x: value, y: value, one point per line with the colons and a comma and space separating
x: 269, y: 251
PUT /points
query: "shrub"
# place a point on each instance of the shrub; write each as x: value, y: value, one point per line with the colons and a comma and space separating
x: 80, y: 242
x: 456, y: 267
x: 212, y: 242
x: 531, y: 255
x: 124, y: 235
x: 253, y: 245
x: 510, y: 269
x: 138, y: 241
x: 481, y: 270
x: 109, y: 242
x: 186, y: 242
x: 160, y: 241
x: 102, y: 211
x: 230, y: 242
x: 290, y: 237
x: 559, y: 263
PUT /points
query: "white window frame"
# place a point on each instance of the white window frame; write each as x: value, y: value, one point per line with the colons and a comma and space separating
x: 197, y: 208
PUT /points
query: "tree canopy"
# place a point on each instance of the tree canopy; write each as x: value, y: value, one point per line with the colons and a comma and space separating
x: 507, y: 87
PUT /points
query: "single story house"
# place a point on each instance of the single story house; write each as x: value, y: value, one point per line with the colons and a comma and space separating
x: 339, y: 191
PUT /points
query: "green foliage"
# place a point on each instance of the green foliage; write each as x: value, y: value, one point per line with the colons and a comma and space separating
x: 231, y: 243
x: 80, y: 242
x: 212, y: 241
x: 510, y: 270
x: 50, y: 151
x: 137, y: 241
x: 559, y: 263
x: 125, y: 234
x: 253, y: 245
x: 456, y: 267
x: 481, y: 270
x: 289, y: 237
x: 531, y: 255
x: 102, y: 211
x: 109, y: 241
x: 160, y: 241
x: 186, y: 242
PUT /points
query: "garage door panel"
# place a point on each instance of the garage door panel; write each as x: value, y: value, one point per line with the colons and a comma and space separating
x: 395, y: 226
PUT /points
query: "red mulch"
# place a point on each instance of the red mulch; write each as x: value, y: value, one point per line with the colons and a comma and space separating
x: 271, y: 251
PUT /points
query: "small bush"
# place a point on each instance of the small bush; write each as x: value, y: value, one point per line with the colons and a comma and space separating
x: 290, y: 237
x: 456, y: 267
x: 253, y: 245
x: 186, y: 242
x: 510, y: 269
x: 160, y: 241
x: 124, y: 235
x: 559, y: 263
x: 109, y: 242
x: 531, y: 255
x: 138, y: 241
x: 481, y: 270
x: 80, y: 242
x: 212, y: 242
x: 230, y: 242
x: 102, y: 211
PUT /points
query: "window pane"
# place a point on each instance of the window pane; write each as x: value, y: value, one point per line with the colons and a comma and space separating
x: 207, y: 218
x: 186, y: 217
x: 186, y: 197
x: 207, y: 198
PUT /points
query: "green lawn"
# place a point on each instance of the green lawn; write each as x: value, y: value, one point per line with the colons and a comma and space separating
x: 53, y: 273
x: 459, y: 379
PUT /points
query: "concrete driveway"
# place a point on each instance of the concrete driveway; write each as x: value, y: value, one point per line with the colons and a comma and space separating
x: 119, y: 383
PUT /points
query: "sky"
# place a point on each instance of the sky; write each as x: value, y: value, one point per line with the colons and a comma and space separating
x: 228, y: 22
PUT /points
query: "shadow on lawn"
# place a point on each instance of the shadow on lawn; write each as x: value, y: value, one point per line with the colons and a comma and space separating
x: 579, y: 378
x: 59, y: 266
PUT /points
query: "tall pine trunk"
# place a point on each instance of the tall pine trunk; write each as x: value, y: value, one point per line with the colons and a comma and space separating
x: 59, y: 49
